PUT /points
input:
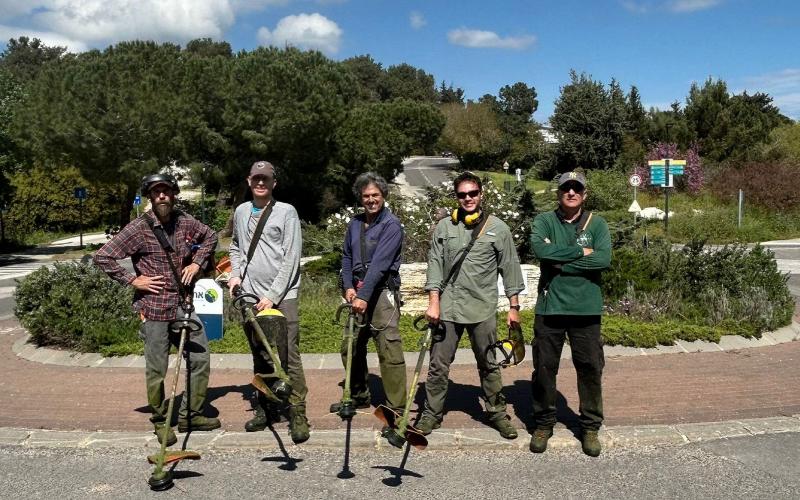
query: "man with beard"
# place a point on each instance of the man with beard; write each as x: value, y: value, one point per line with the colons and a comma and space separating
x: 157, y: 297
x: 468, y: 251
x: 272, y: 274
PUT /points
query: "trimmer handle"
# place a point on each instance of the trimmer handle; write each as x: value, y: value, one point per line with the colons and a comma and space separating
x: 418, y: 325
x: 339, y: 310
x: 176, y: 325
x: 243, y: 299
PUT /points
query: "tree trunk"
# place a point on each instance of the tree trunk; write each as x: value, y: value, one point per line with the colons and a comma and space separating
x: 126, y: 204
x: 239, y: 194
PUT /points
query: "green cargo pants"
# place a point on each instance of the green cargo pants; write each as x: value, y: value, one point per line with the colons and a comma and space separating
x: 481, y: 336
x: 288, y: 349
x: 382, y: 317
x: 157, y: 342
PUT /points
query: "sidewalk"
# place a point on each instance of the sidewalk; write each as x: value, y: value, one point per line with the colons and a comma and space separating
x: 664, y: 399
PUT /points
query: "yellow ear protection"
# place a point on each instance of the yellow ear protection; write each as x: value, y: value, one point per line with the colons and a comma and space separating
x: 468, y: 219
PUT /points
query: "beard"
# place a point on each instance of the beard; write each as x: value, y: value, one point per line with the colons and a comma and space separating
x: 163, y: 210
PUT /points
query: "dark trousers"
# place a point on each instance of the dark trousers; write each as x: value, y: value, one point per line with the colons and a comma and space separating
x: 288, y: 350
x: 587, y: 355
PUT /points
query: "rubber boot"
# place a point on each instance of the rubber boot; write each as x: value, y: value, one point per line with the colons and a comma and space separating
x: 298, y: 424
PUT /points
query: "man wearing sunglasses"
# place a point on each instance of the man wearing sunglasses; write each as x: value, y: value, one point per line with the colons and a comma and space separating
x: 468, y: 251
x: 573, y: 246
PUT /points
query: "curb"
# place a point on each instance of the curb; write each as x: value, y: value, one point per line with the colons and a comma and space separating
x: 44, y: 355
x: 612, y: 438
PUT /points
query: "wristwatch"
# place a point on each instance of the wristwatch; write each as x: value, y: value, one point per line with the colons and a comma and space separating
x: 515, y: 306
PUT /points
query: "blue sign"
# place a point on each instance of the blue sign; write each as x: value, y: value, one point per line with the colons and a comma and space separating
x: 676, y: 169
x: 80, y: 193
x: 137, y: 200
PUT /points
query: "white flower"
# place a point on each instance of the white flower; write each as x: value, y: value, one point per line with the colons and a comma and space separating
x: 330, y: 221
x: 515, y: 215
x: 416, y: 201
x: 338, y: 216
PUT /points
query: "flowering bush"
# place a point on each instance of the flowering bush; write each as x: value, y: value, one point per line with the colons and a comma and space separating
x: 419, y: 215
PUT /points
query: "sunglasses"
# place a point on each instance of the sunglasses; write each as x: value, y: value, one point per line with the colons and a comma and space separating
x: 578, y: 188
x: 261, y: 178
x: 472, y: 194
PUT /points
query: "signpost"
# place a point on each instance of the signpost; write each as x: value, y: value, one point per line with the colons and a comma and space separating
x: 661, y: 174
x: 137, y: 200
x: 208, y: 305
x: 80, y: 193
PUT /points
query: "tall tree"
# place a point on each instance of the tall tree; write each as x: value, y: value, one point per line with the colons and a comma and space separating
x: 450, y: 95
x: 407, y: 82
x: 473, y: 134
x: 24, y: 57
x: 589, y: 122
x: 369, y: 75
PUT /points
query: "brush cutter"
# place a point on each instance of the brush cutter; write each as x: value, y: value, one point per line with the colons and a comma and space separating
x: 279, y: 389
x: 161, y: 479
x: 347, y: 409
x: 510, y: 350
x: 398, y: 430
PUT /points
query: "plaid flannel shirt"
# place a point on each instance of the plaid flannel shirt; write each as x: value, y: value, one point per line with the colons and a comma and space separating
x: 138, y: 242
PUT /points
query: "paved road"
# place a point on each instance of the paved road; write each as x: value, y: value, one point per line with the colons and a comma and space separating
x: 421, y: 171
x: 765, y: 466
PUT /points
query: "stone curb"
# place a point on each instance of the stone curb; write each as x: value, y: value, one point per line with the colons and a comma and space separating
x: 46, y: 355
x: 622, y: 437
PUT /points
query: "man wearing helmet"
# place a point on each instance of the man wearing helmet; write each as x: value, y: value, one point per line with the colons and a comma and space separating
x: 573, y: 246
x: 270, y: 269
x: 157, y: 297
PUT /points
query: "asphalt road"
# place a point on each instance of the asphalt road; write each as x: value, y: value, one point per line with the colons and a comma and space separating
x: 765, y: 466
x: 427, y: 171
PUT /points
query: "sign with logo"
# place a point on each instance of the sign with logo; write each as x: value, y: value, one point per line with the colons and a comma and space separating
x: 635, y: 180
x: 208, y: 302
x: 137, y: 200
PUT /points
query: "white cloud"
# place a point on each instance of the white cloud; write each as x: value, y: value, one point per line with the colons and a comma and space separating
x: 309, y: 31
x: 256, y: 5
x: 48, y: 38
x: 489, y: 39
x: 692, y: 5
x: 784, y: 88
x: 635, y: 7
x: 114, y: 20
x: 417, y: 20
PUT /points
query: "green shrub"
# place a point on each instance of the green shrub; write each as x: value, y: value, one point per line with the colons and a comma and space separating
x: 607, y: 190
x: 759, y: 180
x: 75, y: 306
x: 215, y: 216
x: 328, y: 265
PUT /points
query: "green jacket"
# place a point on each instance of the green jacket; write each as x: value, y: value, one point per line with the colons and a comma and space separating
x: 472, y: 296
x: 570, y: 282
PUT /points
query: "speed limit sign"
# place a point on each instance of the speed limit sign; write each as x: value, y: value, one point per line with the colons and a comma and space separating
x: 635, y: 180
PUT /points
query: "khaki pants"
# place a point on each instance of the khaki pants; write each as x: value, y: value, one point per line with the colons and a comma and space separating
x: 481, y: 336
x: 157, y: 341
x: 383, y: 314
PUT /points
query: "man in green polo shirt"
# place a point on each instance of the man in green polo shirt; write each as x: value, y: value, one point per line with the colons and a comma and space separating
x: 573, y: 247
x: 466, y: 299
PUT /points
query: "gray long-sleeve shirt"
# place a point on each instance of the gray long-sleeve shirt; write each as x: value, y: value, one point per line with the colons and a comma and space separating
x: 274, y: 271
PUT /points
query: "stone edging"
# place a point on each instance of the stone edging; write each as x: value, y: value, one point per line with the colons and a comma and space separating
x: 618, y: 437
x: 46, y: 355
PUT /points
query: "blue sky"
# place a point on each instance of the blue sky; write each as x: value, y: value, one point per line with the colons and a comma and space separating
x: 661, y: 46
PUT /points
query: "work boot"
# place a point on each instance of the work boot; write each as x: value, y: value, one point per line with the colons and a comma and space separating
x: 590, y: 443
x: 504, y: 427
x: 427, y: 424
x: 158, y: 430
x: 298, y: 424
x: 539, y: 440
x: 198, y: 423
x: 259, y: 421
x: 357, y: 402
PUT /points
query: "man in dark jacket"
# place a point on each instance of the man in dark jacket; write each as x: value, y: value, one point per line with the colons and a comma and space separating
x: 573, y: 246
x: 371, y: 281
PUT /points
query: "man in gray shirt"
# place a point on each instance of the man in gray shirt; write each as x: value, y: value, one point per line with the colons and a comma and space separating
x: 273, y: 274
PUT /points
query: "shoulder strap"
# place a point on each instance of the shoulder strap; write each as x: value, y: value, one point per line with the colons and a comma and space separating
x: 586, y: 224
x: 262, y: 221
x: 363, y: 245
x: 476, y: 233
x: 158, y: 232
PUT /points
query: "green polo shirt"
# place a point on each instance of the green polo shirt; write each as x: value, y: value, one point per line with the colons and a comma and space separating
x: 570, y: 282
x: 472, y: 296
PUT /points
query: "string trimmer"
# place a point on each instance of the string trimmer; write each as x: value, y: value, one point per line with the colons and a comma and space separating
x: 279, y: 389
x: 161, y: 479
x: 398, y: 430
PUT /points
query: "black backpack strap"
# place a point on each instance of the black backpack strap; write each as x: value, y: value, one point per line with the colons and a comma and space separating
x: 166, y: 246
x: 476, y: 233
x: 262, y: 221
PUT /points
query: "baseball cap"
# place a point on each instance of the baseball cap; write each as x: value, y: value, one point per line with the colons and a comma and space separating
x: 572, y: 177
x: 262, y: 168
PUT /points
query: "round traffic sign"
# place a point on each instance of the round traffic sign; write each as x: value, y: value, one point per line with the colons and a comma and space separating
x: 635, y: 180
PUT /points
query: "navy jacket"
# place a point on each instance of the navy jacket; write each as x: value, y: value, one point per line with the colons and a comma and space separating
x: 384, y: 246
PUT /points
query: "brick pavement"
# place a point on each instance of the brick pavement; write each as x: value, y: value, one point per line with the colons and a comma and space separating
x: 664, y: 389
